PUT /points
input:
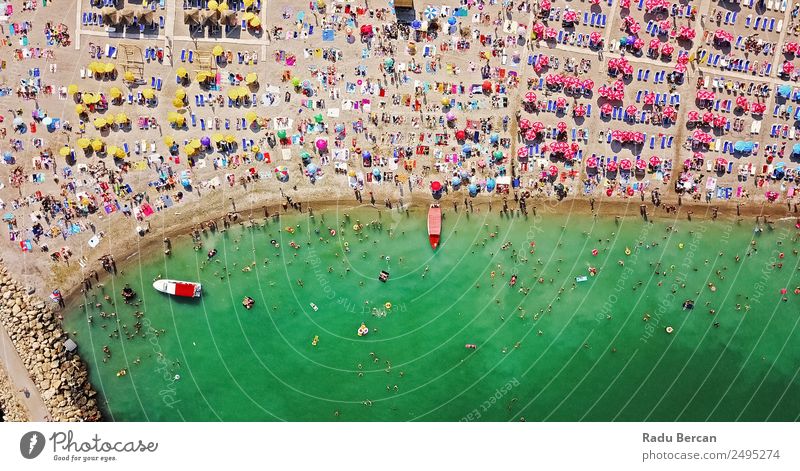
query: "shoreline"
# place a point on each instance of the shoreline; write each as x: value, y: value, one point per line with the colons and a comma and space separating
x: 171, y: 223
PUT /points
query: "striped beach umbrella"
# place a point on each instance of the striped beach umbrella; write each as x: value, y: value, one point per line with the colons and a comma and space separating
x: 430, y: 12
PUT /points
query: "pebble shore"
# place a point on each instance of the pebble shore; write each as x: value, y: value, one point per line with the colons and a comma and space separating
x: 11, y: 410
x: 35, y: 331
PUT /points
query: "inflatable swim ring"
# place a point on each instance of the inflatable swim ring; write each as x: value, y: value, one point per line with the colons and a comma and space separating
x: 333, y: 232
x: 314, y: 307
x: 315, y: 340
x: 388, y: 305
x: 627, y: 251
x: 680, y: 246
x: 363, y: 330
x: 595, y: 252
x: 669, y: 329
x: 289, y: 229
x: 347, y: 244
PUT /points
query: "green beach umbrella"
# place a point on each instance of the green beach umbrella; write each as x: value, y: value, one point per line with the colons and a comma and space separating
x: 318, y: 118
x: 282, y: 134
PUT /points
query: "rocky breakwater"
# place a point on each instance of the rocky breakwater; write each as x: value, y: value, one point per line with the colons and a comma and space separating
x: 36, y: 333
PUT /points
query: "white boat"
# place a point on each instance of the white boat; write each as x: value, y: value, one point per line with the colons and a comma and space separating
x: 184, y: 289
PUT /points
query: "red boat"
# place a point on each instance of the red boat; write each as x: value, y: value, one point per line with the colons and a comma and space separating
x: 184, y: 289
x: 434, y: 225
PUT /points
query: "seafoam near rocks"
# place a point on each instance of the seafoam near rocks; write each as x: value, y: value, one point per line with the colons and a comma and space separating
x: 61, y: 377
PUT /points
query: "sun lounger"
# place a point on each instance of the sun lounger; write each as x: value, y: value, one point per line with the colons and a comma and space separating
x: 757, y: 22
x: 771, y: 25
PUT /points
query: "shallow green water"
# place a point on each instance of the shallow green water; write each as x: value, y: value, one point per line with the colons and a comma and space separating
x: 582, y: 354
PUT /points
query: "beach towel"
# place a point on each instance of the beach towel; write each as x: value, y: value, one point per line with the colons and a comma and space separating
x: 146, y: 209
x: 95, y: 240
x: 26, y: 245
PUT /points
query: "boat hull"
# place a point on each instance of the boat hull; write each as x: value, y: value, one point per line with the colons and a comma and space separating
x: 434, y: 225
x: 181, y: 289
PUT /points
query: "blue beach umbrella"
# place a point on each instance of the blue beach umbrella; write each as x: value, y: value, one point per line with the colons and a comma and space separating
x: 473, y: 189
x: 416, y: 24
x: 490, y: 184
x: 784, y: 91
x: 430, y: 12
x: 451, y: 21
x: 796, y: 149
x: 376, y: 172
x: 466, y: 149
x: 311, y: 169
x: 455, y: 181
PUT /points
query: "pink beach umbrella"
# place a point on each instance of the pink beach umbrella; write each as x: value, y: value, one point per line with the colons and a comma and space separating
x: 758, y: 108
x: 702, y: 137
x: 723, y: 36
x: 654, y: 161
x: 680, y: 68
x: 591, y: 162
x: 667, y: 49
x: 588, y: 84
x: 550, y: 33
x: 625, y: 4
x: 322, y: 144
x: 638, y: 43
x: 537, y: 126
x: 553, y: 170
x: 524, y: 124
x: 561, y: 102
x: 631, y: 110
x: 530, y: 97
x: 791, y: 47
x: 787, y: 67
x: 634, y: 27
x: 522, y: 152
x: 687, y: 33
x: 641, y: 164
x: 605, y: 108
x: 595, y: 37
x: 538, y: 28
x: 708, y: 117
x: 720, y: 121
x: 611, y: 166
x: 742, y: 103
x: 561, y: 126
x: 570, y: 16
x: 693, y: 115
x: 670, y: 112
x: 530, y: 135
x: 545, y: 5
x: 649, y: 98
x: 579, y: 111
x: 625, y: 164
x: 654, y: 44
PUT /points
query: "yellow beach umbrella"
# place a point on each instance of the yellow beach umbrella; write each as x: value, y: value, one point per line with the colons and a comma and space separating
x: 112, y: 150
x: 182, y: 72
x: 194, y: 143
x: 122, y: 118
x: 94, y: 67
x: 223, y: 7
x: 148, y: 93
x: 255, y: 149
x: 177, y: 102
x: 72, y: 89
x: 115, y: 93
x: 64, y: 151
x: 250, y: 116
x: 169, y: 141
x: 233, y: 93
x: 99, y: 123
x: 119, y: 153
x: 84, y: 143
x: 129, y: 76
x: 89, y: 98
x: 80, y: 109
x: 180, y: 93
x: 217, y: 137
x: 217, y: 51
x: 202, y: 76
x: 109, y: 119
x: 255, y: 22
x: 213, y: 4
x: 97, y: 144
x: 230, y: 138
x: 180, y: 120
x: 109, y: 67
x: 251, y: 78
x: 248, y: 3
x: 248, y: 16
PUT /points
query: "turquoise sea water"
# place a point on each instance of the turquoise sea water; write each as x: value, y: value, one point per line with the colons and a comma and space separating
x: 566, y: 350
